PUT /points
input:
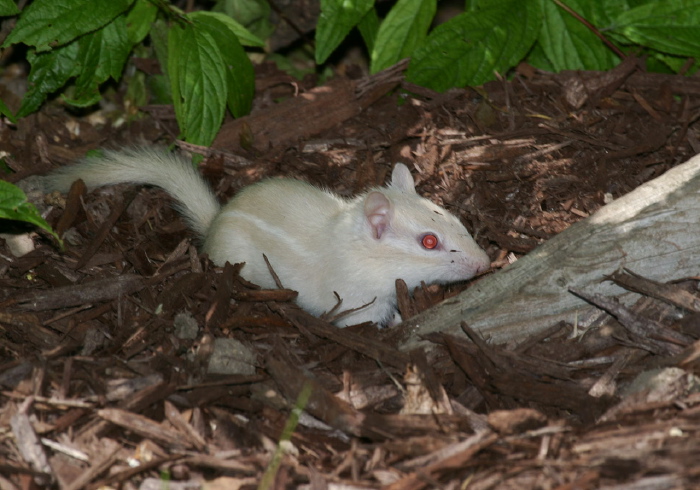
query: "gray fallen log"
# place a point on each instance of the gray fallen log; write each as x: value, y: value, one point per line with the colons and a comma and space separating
x: 653, y: 231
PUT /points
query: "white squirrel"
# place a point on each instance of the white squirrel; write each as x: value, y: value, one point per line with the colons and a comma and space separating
x: 317, y: 242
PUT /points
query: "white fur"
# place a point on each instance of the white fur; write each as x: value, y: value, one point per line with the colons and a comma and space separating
x: 146, y: 165
x: 317, y: 242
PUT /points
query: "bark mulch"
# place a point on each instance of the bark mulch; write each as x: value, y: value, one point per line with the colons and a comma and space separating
x: 106, y: 349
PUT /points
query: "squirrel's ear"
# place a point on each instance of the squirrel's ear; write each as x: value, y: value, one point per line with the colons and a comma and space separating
x: 401, y: 179
x: 379, y: 213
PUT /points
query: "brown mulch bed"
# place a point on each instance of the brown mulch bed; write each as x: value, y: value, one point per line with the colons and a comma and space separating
x: 105, y: 348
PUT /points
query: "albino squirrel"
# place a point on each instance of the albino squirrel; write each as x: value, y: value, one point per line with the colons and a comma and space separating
x: 318, y: 243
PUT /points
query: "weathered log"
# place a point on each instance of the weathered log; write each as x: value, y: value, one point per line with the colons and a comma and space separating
x: 320, y: 108
x: 654, y: 231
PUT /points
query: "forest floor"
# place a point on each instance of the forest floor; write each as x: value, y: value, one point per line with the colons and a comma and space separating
x: 108, y: 349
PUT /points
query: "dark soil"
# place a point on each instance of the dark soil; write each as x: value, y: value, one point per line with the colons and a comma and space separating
x: 92, y: 359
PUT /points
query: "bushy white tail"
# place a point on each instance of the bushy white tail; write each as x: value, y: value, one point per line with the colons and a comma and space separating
x: 151, y: 166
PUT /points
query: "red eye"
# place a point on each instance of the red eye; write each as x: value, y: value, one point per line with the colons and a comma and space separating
x: 430, y: 241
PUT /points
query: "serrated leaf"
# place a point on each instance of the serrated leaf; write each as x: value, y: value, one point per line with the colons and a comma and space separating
x: 610, y: 9
x: 469, y: 48
x: 470, y: 5
x: 159, y: 89
x: 243, y: 11
x: 336, y: 20
x: 136, y: 92
x: 662, y: 63
x: 14, y: 206
x: 404, y: 28
x: 671, y: 27
x: 245, y: 37
x: 537, y: 58
x: 159, y: 39
x: 102, y: 54
x: 85, y: 99
x: 253, y: 14
x: 139, y: 20
x: 6, y: 112
x: 50, y: 71
x: 568, y: 43
x: 369, y: 27
x: 239, y: 70
x: 7, y: 8
x: 638, y: 3
x: 48, y: 24
x: 197, y: 81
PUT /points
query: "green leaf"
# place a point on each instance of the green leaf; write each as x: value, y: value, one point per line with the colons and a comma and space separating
x: 159, y: 86
x: 239, y: 70
x: 5, y: 111
x: 469, y: 48
x: 197, y: 81
x: 244, y: 11
x: 295, y: 63
x: 253, y: 14
x: 102, y: 55
x: 334, y: 23
x: 245, y: 37
x: 139, y: 20
x: 14, y: 206
x: 7, y: 8
x: 404, y: 28
x: 369, y: 27
x: 159, y: 38
x: 671, y: 27
x: 159, y: 89
x: 638, y: 3
x: 568, y: 43
x: 51, y: 23
x: 470, y: 5
x: 537, y: 58
x: 136, y: 92
x: 657, y: 62
x: 84, y: 99
x: 611, y: 9
x: 50, y: 71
